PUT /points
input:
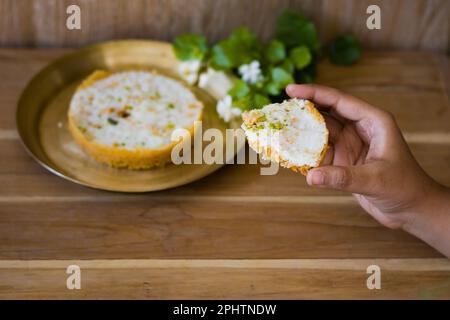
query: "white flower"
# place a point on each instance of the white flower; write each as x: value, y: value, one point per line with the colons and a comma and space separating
x: 226, y: 110
x: 216, y: 83
x: 251, y: 73
x: 189, y: 70
x: 205, y: 77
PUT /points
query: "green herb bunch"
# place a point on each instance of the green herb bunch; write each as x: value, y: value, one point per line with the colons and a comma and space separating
x: 265, y: 69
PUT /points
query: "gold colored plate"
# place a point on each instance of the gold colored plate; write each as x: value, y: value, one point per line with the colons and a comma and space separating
x: 42, y: 117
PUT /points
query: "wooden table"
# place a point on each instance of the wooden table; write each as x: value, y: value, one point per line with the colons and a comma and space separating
x: 234, y: 234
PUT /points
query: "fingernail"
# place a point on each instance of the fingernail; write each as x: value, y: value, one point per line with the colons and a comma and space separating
x: 316, y: 178
x: 289, y: 88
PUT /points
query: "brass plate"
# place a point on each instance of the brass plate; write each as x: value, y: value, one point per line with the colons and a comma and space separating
x: 42, y: 117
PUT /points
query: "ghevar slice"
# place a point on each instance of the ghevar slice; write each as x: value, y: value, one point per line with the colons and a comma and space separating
x: 292, y: 133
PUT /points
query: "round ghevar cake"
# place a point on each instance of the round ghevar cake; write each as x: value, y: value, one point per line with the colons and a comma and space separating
x: 292, y: 133
x: 126, y: 119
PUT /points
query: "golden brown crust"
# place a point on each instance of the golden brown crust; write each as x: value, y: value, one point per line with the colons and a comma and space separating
x: 93, y: 77
x: 139, y: 158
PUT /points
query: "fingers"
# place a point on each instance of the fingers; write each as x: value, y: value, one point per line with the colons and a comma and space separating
x: 359, y: 179
x: 345, y: 105
x: 334, y: 127
x: 329, y: 156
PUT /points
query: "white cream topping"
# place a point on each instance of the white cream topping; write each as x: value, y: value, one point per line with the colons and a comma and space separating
x: 291, y: 131
x: 134, y: 109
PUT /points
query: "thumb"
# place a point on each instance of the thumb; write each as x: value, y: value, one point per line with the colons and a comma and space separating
x: 360, y: 179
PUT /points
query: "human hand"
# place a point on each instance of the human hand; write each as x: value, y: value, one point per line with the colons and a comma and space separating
x: 368, y: 157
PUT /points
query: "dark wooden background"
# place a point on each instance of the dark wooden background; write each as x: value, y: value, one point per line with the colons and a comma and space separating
x: 406, y: 24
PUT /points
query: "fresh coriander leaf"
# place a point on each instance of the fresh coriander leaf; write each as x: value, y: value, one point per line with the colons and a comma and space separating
x: 288, y: 65
x: 239, y: 90
x: 344, y: 50
x: 300, y: 56
x: 244, y: 103
x: 259, y: 84
x: 293, y: 30
x: 272, y: 88
x: 223, y: 56
x: 241, y: 47
x: 260, y: 100
x: 190, y: 46
x: 246, y: 45
x: 244, y: 35
x: 281, y: 77
x: 251, y: 101
x: 275, y: 51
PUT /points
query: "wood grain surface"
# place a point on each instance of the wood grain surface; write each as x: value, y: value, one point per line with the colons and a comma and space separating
x: 228, y: 279
x: 234, y: 234
x: 406, y: 24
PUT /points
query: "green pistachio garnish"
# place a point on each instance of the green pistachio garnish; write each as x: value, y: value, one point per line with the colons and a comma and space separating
x: 170, y: 125
x: 276, y: 125
x: 112, y: 121
x: 262, y: 118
